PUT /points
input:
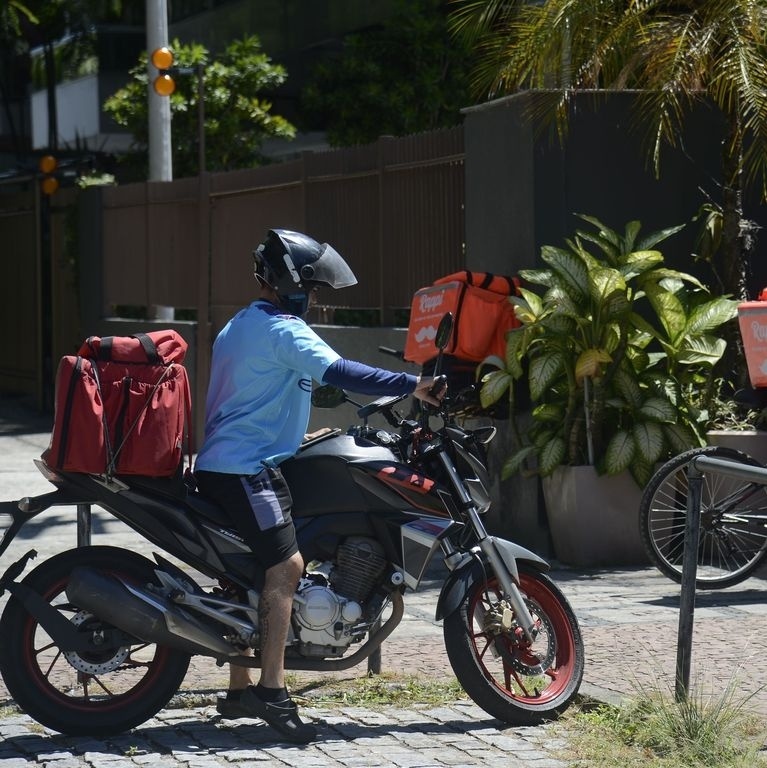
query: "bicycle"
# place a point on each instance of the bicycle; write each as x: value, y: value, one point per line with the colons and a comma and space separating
x: 733, y: 528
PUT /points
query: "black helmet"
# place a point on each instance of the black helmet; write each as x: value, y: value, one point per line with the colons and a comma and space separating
x: 293, y: 264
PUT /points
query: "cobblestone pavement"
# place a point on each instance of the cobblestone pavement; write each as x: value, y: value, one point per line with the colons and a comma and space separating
x: 629, y: 619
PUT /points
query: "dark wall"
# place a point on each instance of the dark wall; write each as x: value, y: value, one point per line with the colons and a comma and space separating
x: 523, y: 188
x: 522, y: 191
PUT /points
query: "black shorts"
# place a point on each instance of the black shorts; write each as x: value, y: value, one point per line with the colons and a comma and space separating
x: 259, y: 506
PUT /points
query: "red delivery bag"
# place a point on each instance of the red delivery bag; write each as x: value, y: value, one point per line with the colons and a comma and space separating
x: 482, y: 315
x: 121, y: 406
x: 752, y: 319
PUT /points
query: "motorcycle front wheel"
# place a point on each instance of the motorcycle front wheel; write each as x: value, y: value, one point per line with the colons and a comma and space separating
x: 518, y: 682
x: 98, y: 693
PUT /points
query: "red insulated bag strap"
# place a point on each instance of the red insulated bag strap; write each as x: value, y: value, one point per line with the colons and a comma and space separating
x: 114, y: 455
x: 104, y: 425
x: 149, y: 347
x: 188, y: 416
x: 66, y: 419
x: 152, y: 356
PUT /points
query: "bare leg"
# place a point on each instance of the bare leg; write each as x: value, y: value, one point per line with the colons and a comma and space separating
x: 274, y: 611
x: 240, y: 677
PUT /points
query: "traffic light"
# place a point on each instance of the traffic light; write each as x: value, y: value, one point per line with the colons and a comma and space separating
x: 47, y: 165
x: 162, y: 58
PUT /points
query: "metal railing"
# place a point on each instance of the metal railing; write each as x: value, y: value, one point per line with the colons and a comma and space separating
x: 695, y: 472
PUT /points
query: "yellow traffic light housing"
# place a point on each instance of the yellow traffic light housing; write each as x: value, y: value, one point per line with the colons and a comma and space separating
x: 162, y: 58
x: 47, y: 166
x: 164, y: 85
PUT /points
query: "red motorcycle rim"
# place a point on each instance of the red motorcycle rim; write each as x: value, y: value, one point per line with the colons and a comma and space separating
x: 560, y: 648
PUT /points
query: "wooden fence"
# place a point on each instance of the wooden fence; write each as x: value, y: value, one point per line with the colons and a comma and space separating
x: 393, y: 209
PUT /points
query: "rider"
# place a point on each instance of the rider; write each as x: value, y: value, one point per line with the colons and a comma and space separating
x: 257, y: 413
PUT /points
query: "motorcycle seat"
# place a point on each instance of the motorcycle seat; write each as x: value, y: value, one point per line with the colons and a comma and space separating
x: 208, y: 509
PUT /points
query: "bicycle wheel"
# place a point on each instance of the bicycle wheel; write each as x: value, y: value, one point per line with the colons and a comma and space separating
x: 733, y: 525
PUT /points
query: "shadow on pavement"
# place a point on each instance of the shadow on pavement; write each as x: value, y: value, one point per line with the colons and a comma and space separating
x: 19, y: 416
x: 206, y: 735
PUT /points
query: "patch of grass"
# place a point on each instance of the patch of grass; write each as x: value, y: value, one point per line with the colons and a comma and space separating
x: 8, y: 710
x: 190, y: 700
x: 379, y: 690
x: 656, y: 731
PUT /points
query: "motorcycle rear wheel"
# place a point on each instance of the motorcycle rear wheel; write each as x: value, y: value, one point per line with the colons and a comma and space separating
x: 519, y: 683
x: 95, y: 694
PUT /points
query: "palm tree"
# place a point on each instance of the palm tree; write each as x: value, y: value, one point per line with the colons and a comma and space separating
x: 676, y: 53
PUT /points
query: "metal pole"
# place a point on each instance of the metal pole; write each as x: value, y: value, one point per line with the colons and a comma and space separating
x: 689, y: 575
x: 160, y: 158
x: 374, y: 660
x: 46, y: 301
x: 201, y: 119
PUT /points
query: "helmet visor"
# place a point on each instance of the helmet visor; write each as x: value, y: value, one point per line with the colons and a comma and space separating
x: 329, y: 269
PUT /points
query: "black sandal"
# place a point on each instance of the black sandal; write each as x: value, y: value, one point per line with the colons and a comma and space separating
x: 230, y: 706
x: 281, y: 715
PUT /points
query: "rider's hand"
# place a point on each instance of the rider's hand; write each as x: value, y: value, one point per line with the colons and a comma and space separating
x: 423, y: 390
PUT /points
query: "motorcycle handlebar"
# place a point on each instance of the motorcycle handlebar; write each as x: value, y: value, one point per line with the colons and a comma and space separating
x: 398, y: 353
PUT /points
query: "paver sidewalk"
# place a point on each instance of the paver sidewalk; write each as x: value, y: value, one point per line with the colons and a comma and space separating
x: 629, y: 619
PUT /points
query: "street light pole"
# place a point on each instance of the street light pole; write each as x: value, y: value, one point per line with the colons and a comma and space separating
x: 200, y: 119
x: 160, y: 156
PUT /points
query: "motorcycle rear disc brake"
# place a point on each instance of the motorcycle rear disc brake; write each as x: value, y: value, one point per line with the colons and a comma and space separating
x: 95, y: 663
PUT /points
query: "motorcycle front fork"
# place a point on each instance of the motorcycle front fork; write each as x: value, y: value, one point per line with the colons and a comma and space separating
x: 508, y: 578
x: 501, y: 561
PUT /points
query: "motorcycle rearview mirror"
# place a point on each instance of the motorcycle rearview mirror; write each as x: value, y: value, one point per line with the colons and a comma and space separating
x: 441, y: 340
x: 328, y: 396
x: 444, y: 331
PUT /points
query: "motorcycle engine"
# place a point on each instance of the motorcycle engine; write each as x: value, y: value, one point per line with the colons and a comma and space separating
x: 331, y: 597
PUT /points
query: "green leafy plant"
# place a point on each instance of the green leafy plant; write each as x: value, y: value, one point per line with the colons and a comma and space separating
x: 402, y: 77
x: 238, y: 118
x: 611, y: 344
x: 723, y: 409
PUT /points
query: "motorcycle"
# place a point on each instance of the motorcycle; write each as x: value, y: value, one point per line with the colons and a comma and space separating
x: 97, y: 639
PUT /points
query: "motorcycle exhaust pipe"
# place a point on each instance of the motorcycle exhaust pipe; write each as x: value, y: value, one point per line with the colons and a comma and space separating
x: 144, y: 615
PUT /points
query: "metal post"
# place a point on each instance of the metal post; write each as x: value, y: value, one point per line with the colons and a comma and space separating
x: 200, y: 119
x: 46, y: 301
x: 83, y: 525
x: 689, y: 575
x: 160, y: 158
x: 374, y: 660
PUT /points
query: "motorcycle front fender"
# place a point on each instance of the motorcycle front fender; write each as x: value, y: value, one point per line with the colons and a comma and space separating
x: 462, y: 578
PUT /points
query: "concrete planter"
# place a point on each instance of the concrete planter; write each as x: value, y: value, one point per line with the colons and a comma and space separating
x: 593, y: 519
x: 752, y: 442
